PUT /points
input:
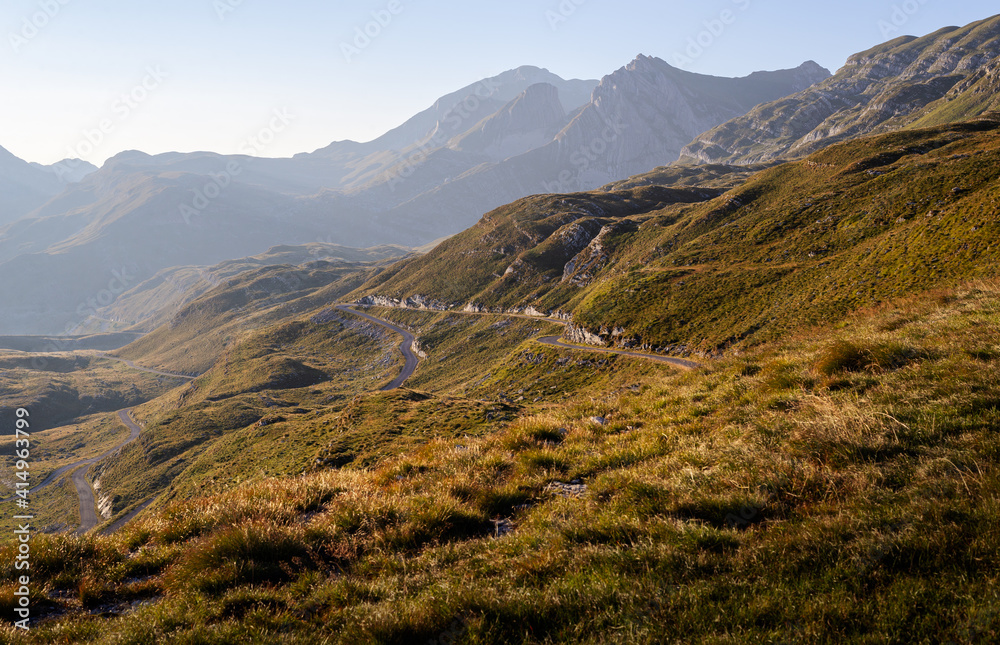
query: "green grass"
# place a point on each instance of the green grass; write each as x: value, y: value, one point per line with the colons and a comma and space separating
x: 59, y: 388
x: 862, y: 509
x: 798, y: 244
x: 831, y: 477
x: 200, y: 333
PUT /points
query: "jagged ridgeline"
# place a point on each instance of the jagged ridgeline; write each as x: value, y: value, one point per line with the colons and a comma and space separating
x: 947, y: 76
x: 706, y: 269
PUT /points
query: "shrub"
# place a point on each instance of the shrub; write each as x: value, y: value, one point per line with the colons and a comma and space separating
x: 246, y: 554
x: 845, y: 356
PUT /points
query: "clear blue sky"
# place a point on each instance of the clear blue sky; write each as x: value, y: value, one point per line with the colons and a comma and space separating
x: 229, y: 64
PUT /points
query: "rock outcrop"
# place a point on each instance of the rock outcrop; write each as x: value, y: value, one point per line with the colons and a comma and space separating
x: 642, y: 115
x: 411, y: 302
x: 527, y: 122
x: 577, y: 334
x: 884, y: 88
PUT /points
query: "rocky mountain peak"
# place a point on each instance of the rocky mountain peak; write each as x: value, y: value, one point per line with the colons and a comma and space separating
x: 525, y: 123
x: 537, y: 104
x: 877, y: 90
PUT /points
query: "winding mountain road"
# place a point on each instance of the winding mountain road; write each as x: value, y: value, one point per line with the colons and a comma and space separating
x: 406, y: 347
x: 88, y: 504
x: 146, y: 369
x: 555, y: 341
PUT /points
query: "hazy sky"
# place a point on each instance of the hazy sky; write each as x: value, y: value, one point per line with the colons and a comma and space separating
x: 101, y: 76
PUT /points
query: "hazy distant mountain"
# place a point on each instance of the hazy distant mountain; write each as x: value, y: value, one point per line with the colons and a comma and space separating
x: 497, y: 91
x: 523, y: 132
x: 68, y: 171
x: 529, y: 121
x: 154, y: 302
x: 26, y: 186
x: 651, y: 110
x: 940, y: 78
x: 639, y: 118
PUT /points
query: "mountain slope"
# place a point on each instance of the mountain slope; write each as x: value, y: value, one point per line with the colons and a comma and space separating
x: 649, y: 500
x: 654, y: 109
x: 527, y: 122
x: 156, y: 301
x: 498, y: 89
x: 23, y: 187
x: 978, y: 94
x: 800, y: 243
x: 875, y: 91
x: 638, y: 119
x: 517, y: 134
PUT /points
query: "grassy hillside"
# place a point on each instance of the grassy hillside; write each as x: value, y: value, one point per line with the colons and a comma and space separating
x: 59, y: 388
x: 831, y: 476
x: 157, y: 300
x: 237, y: 421
x: 800, y: 243
x: 194, y: 339
x: 533, y: 238
x: 839, y: 486
x: 57, y: 506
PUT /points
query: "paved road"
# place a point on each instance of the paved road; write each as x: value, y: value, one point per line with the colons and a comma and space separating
x: 676, y: 362
x: 58, y: 473
x: 406, y: 347
x: 146, y: 369
x: 88, y: 505
x: 555, y: 341
x: 123, y: 415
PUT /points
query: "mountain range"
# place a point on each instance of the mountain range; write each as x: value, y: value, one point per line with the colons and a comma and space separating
x: 945, y: 76
x: 753, y: 400
x: 519, y: 133
x: 26, y: 186
x: 88, y: 237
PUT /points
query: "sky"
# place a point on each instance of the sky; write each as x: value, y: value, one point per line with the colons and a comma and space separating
x: 91, y: 78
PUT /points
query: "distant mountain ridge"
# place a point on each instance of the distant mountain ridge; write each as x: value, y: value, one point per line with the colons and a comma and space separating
x: 662, y: 108
x: 516, y: 134
x: 696, y: 269
x: 26, y: 186
x: 907, y: 82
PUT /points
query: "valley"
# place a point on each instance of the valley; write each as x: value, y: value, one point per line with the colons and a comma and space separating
x: 660, y: 357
